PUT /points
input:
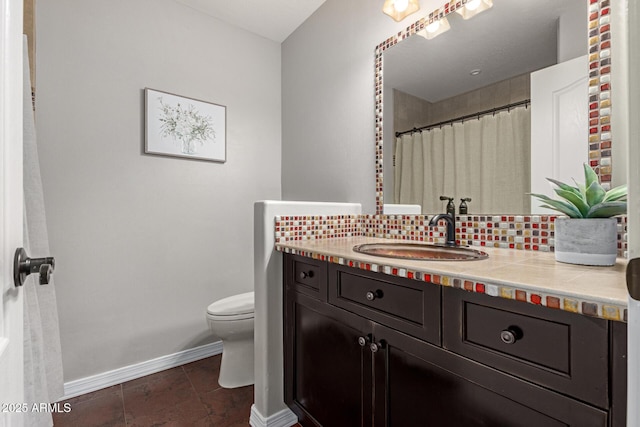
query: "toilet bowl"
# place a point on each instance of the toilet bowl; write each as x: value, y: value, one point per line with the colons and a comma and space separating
x: 231, y: 320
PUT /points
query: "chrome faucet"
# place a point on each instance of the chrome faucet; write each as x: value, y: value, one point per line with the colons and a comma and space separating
x: 450, y: 235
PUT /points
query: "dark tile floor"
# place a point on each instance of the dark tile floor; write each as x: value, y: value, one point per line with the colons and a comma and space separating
x: 187, y: 395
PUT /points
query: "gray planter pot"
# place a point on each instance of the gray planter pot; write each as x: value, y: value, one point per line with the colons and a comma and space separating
x: 586, y: 241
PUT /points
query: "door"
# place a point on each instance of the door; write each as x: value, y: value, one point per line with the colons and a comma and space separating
x: 11, y: 202
x: 559, y: 125
x: 633, y: 210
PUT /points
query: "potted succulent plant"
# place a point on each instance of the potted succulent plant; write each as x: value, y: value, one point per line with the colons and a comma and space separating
x: 589, y: 235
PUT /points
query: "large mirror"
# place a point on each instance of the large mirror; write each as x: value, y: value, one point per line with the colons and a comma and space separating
x: 458, y: 107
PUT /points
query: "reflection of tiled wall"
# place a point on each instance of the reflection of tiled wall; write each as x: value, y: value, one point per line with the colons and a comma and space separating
x: 522, y: 232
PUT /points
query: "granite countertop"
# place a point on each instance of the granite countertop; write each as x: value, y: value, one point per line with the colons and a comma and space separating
x: 530, y: 276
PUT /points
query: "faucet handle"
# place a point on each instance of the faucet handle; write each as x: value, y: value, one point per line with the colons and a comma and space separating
x: 451, y: 207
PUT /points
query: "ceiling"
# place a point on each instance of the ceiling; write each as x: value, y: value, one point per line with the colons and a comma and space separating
x: 272, y: 19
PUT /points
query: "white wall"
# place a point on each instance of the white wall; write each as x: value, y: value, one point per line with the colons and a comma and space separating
x: 328, y: 105
x: 144, y: 243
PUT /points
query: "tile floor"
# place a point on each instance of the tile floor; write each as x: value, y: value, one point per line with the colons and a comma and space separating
x: 187, y: 395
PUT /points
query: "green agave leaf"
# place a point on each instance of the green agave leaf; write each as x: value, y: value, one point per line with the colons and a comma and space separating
x: 595, y: 193
x: 559, y: 205
x: 575, y: 199
x: 571, y: 194
x: 617, y: 193
x: 564, y: 186
x: 590, y: 176
x: 581, y: 188
x: 606, y: 210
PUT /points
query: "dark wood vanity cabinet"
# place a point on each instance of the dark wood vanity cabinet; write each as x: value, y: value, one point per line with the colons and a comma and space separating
x: 367, y: 349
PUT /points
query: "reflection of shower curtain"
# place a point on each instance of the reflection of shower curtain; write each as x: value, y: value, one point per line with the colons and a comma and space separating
x: 486, y: 159
x: 43, y: 381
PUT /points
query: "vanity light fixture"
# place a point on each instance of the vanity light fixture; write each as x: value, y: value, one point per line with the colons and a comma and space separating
x: 400, y: 9
x: 434, y: 29
x: 474, y: 7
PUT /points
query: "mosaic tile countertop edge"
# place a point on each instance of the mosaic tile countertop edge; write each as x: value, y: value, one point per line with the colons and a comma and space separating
x: 592, y: 291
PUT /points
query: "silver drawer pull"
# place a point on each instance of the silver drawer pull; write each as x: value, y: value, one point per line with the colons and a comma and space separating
x: 511, y: 335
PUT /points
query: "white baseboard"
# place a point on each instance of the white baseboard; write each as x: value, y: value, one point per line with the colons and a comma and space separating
x: 131, y: 372
x: 284, y: 418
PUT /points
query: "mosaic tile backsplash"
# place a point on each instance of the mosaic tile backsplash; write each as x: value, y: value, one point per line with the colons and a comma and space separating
x: 519, y: 232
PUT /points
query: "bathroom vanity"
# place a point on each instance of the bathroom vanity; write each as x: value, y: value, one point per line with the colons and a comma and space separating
x: 365, y: 348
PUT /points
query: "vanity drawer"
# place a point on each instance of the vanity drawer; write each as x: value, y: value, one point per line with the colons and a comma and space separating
x: 306, y: 275
x: 407, y: 305
x: 564, y: 351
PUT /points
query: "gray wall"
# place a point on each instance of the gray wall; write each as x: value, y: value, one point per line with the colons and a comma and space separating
x: 144, y: 243
x: 328, y: 105
x: 572, y: 33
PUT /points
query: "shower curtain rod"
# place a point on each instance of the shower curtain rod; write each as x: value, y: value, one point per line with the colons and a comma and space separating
x: 526, y: 102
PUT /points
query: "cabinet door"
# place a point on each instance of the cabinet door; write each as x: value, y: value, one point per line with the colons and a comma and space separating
x: 327, y: 371
x: 420, y: 384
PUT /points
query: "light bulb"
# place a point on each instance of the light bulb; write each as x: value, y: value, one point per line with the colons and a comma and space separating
x: 400, y: 9
x: 401, y: 5
x: 473, y: 4
x: 433, y: 27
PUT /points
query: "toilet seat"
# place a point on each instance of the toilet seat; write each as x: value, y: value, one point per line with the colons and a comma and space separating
x: 236, y: 307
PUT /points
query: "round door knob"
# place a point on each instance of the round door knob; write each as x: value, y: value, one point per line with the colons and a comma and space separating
x: 510, y: 335
x: 23, y: 266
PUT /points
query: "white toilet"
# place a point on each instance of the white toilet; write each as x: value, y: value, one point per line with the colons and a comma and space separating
x: 231, y: 320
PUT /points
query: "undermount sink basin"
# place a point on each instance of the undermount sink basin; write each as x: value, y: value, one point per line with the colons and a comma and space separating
x: 420, y: 252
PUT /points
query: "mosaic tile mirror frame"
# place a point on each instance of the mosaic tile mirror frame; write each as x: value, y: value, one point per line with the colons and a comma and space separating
x: 599, y: 100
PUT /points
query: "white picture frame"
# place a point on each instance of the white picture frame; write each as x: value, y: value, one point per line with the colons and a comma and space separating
x: 178, y: 126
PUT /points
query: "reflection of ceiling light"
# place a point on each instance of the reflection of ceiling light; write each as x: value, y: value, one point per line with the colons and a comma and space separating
x: 475, y: 72
x: 474, y: 7
x: 400, y: 9
x: 434, y: 29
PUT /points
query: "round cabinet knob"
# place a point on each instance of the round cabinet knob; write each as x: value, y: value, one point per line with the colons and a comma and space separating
x: 371, y: 295
x: 510, y: 335
x: 305, y: 274
x: 362, y: 341
x: 374, y: 347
